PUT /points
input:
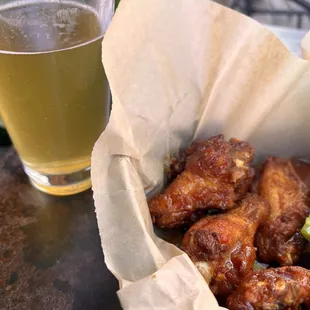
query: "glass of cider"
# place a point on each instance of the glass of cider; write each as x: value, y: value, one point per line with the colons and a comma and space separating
x: 54, y: 95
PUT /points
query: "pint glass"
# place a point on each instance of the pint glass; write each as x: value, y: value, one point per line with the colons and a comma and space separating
x: 54, y: 96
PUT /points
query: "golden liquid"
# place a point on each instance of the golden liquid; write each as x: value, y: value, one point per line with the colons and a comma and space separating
x: 54, y: 96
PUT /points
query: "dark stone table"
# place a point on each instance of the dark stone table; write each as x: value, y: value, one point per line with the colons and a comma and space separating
x: 50, y: 253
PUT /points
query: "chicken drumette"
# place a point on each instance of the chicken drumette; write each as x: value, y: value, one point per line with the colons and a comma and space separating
x: 280, y: 239
x: 216, y: 174
x: 221, y: 246
x: 273, y: 289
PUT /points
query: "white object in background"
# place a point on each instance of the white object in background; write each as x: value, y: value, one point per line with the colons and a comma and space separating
x: 290, y: 37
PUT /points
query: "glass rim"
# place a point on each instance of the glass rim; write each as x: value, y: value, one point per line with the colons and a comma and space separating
x: 29, y: 53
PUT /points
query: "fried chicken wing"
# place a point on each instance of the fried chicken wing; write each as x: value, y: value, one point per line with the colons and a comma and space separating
x: 279, y: 239
x: 273, y: 289
x: 216, y: 174
x: 221, y: 246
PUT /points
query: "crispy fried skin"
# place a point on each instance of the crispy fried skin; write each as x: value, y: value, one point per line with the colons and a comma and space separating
x: 216, y: 174
x: 279, y: 239
x: 273, y: 289
x: 221, y: 246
